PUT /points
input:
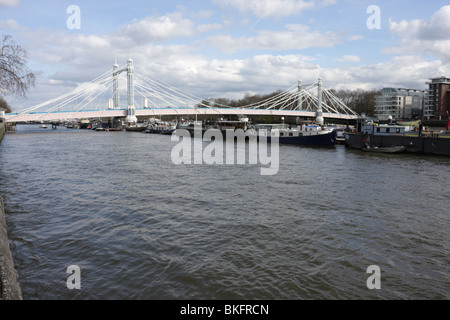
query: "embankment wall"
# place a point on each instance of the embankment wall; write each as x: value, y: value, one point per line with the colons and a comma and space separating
x: 2, y: 129
x: 9, y: 283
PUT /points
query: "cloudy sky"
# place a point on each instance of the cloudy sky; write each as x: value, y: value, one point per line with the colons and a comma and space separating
x: 225, y: 48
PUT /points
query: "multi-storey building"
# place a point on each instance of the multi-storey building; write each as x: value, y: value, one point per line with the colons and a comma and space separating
x: 437, y: 99
x: 399, y: 104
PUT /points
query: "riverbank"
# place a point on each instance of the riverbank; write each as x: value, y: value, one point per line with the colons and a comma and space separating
x: 9, y: 284
x: 2, y: 130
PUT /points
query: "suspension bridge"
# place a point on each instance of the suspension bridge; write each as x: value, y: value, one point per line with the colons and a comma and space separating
x: 162, y: 99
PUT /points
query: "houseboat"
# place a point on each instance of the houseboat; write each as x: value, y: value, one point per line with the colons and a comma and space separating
x: 306, y: 135
x: 393, y: 135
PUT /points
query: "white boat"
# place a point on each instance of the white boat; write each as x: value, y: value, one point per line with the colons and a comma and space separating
x: 161, y: 127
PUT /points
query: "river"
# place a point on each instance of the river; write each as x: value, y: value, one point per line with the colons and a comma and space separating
x: 140, y: 227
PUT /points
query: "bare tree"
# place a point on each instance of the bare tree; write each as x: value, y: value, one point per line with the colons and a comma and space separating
x: 15, y: 77
x: 358, y: 100
x: 4, y: 105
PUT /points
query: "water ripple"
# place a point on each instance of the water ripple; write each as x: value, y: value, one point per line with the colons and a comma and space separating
x: 140, y: 227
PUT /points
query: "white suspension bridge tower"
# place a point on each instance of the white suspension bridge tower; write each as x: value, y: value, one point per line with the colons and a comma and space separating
x: 131, y: 112
x: 160, y: 98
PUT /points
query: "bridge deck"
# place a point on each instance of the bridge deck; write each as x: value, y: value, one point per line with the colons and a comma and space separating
x: 105, y: 114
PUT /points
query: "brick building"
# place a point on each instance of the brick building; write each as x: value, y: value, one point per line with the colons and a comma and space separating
x: 437, y: 100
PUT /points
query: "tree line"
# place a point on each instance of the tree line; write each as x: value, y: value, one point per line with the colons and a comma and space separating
x: 359, y: 100
x: 237, y: 103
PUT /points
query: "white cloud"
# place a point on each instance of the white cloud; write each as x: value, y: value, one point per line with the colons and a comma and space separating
x: 273, y: 8
x: 202, y: 14
x: 434, y: 29
x: 9, y: 3
x: 10, y: 24
x: 171, y: 26
x: 424, y: 36
x: 349, y: 58
x: 232, y: 78
x: 203, y: 28
x: 402, y: 71
x: 296, y: 36
x: 355, y: 37
x: 158, y: 29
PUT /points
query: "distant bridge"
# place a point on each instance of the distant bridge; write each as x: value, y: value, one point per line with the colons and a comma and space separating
x: 312, y: 101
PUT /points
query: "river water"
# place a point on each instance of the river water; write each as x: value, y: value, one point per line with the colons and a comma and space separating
x: 140, y: 227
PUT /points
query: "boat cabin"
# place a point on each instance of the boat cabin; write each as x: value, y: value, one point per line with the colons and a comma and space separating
x: 380, y: 129
x: 283, y: 130
x: 242, y: 123
x: 286, y: 130
x: 270, y: 127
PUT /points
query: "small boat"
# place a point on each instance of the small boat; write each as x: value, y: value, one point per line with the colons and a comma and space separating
x: 85, y: 124
x: 110, y: 126
x: 340, y: 130
x: 396, y: 149
x: 136, y: 128
x: 43, y: 126
x: 161, y: 128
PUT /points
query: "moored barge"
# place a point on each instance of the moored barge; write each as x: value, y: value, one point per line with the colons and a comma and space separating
x: 386, y: 136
